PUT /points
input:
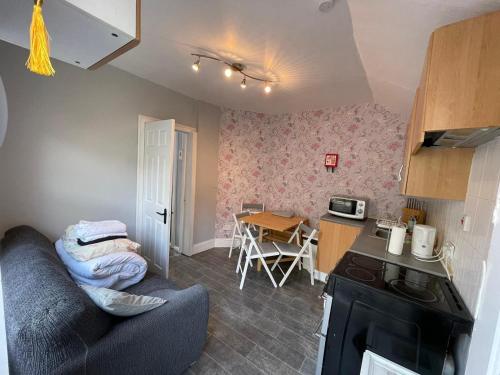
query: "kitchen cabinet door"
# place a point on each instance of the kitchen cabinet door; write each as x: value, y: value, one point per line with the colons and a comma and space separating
x: 417, y: 128
x: 463, y: 83
x: 403, y: 172
x: 440, y: 173
x: 333, y: 242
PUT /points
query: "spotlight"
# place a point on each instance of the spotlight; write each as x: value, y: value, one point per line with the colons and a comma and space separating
x: 196, y: 65
x: 228, y: 72
x: 244, y: 83
x: 267, y: 89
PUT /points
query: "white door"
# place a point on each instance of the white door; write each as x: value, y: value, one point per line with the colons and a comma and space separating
x: 157, y: 175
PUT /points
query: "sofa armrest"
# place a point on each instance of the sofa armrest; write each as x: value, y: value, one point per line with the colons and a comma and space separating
x: 165, y: 340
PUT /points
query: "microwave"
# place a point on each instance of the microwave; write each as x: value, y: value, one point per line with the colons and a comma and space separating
x: 349, y: 207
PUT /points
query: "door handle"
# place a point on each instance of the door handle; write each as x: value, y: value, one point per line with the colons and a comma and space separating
x: 164, y: 214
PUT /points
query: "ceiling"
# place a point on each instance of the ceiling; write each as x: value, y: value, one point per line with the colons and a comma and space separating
x: 313, y: 55
x: 392, y: 38
x: 362, y: 50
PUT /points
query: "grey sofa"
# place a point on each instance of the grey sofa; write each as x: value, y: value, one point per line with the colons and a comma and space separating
x: 54, y: 328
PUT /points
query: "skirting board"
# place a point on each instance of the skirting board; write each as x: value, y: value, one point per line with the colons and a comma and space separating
x: 203, y: 246
x: 321, y: 276
x: 210, y: 244
x: 224, y: 242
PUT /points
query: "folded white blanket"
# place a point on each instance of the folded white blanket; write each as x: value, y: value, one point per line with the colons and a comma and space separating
x: 88, y: 252
x: 99, y: 236
x: 91, y: 229
x: 114, y: 271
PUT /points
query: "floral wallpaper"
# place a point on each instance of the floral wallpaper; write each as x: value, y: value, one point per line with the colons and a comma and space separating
x: 279, y: 160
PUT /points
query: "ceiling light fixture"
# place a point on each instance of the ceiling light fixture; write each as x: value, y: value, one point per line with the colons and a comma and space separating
x: 234, y: 68
x: 196, y: 65
x: 326, y: 6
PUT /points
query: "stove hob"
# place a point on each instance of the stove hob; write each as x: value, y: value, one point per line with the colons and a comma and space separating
x: 369, y: 263
x: 410, y: 284
x: 413, y: 290
x: 360, y: 274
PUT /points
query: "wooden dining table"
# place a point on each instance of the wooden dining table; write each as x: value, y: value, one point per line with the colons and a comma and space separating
x: 267, y: 220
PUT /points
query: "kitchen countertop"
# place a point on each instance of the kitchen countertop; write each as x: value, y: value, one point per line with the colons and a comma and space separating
x: 344, y: 220
x: 367, y: 244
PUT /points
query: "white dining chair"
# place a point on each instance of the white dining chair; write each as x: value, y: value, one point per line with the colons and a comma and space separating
x: 254, y: 208
x: 294, y: 250
x: 238, y: 230
x: 255, y: 250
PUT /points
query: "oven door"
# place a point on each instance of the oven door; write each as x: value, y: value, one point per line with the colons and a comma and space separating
x: 343, y: 206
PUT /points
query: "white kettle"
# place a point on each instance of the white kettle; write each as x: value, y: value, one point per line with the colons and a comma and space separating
x: 422, y: 243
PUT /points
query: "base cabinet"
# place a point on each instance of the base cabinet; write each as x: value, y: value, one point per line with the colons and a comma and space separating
x: 334, y: 240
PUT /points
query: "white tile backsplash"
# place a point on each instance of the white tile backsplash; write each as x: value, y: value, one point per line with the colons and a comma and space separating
x: 471, y: 247
x: 491, y: 174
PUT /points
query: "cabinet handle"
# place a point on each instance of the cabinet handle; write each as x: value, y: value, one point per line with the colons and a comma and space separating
x: 400, y: 178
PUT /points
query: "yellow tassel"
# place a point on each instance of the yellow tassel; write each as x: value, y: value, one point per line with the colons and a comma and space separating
x: 39, y: 58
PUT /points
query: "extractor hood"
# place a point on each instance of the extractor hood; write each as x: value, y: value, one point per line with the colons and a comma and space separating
x: 461, y: 138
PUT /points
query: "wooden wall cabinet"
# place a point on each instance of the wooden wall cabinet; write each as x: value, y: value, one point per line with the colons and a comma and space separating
x: 439, y: 173
x: 459, y: 89
x: 433, y: 172
x: 417, y: 129
x: 462, y: 81
x: 333, y: 242
x: 86, y: 34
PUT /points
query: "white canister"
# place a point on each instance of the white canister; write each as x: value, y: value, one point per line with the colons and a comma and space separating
x: 397, y: 239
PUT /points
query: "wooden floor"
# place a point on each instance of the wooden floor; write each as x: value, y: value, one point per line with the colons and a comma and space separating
x: 259, y: 330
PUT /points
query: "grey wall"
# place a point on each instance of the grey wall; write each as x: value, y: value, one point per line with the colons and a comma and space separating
x: 71, y: 146
x: 206, y: 172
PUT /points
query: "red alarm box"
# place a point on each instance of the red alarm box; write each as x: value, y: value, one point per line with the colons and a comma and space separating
x: 331, y: 160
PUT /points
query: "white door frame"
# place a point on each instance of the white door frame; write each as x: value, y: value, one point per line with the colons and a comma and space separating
x: 190, y: 184
x: 190, y: 193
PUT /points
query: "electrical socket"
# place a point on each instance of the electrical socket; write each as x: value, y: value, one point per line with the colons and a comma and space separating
x: 466, y: 223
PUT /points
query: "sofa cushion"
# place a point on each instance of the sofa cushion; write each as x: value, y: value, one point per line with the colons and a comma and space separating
x: 50, y: 321
x: 149, y: 284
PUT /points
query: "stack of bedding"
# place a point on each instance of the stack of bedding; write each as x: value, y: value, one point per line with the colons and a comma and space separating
x: 100, y: 254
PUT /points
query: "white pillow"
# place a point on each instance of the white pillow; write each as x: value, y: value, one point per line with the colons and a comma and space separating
x: 121, y: 303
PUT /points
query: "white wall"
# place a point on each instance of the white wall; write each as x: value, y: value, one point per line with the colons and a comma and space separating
x: 471, y: 247
x: 71, y: 147
x: 206, y: 172
x: 484, y: 353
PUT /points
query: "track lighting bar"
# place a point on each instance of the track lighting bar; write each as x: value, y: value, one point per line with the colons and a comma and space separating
x: 233, y: 68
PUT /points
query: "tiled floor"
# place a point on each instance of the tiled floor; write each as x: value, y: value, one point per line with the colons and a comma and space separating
x: 259, y: 330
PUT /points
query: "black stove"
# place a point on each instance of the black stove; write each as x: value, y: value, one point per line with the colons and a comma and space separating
x: 409, y: 317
